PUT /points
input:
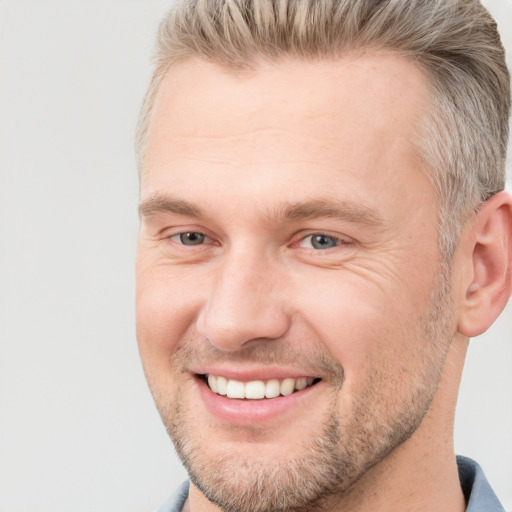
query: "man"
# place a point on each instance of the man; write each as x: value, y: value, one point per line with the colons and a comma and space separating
x: 323, y: 228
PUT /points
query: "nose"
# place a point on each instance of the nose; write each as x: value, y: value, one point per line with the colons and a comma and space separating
x: 245, y: 304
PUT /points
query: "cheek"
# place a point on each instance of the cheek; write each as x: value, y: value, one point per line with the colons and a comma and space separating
x: 360, y: 324
x: 164, y: 313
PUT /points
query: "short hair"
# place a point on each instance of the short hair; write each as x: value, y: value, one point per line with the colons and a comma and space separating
x: 462, y: 139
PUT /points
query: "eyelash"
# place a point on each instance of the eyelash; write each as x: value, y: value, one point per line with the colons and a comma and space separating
x: 337, y: 241
x: 177, y: 238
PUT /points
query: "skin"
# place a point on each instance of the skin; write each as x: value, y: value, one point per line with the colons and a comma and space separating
x: 250, y: 161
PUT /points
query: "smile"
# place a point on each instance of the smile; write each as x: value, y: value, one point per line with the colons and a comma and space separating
x: 257, y: 389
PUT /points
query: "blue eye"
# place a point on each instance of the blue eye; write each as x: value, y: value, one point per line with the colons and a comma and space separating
x: 191, y: 238
x: 320, y: 242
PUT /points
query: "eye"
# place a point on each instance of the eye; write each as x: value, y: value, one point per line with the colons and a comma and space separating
x: 189, y: 238
x: 320, y: 242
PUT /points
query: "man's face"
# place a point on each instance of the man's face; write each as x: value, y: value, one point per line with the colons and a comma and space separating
x: 288, y: 239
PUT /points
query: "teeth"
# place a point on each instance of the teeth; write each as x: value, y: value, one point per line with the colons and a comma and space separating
x: 257, y: 389
x: 287, y: 387
x: 272, y: 389
x: 235, y: 389
x: 222, y: 385
x: 301, y: 383
x: 212, y: 382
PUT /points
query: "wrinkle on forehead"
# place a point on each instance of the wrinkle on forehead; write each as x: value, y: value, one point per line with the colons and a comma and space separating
x: 197, y: 98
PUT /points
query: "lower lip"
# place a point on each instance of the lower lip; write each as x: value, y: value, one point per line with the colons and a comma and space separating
x: 248, y: 412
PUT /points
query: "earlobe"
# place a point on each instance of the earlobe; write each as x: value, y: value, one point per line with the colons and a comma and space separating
x: 490, y: 251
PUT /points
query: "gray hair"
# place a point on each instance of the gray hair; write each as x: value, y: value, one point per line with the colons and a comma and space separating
x: 463, y: 138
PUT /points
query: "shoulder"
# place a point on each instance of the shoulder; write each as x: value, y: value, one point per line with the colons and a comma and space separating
x: 177, y: 499
x: 478, y: 493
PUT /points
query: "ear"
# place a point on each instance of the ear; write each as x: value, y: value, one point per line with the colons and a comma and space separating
x: 488, y: 250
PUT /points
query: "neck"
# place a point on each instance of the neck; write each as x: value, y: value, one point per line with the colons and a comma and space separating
x: 426, y: 482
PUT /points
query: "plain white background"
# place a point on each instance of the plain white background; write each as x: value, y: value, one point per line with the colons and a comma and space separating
x: 78, y: 429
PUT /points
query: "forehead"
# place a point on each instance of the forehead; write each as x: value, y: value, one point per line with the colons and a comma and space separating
x: 350, y: 117
x: 196, y: 92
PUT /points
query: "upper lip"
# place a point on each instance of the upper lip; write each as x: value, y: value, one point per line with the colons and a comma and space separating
x: 251, y: 374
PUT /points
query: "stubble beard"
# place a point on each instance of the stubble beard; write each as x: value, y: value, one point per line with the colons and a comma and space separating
x: 341, y: 452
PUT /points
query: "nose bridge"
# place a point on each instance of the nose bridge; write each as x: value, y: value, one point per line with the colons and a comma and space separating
x: 244, y: 302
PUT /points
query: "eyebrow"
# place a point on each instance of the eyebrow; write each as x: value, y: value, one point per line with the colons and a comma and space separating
x: 163, y: 204
x: 346, y: 210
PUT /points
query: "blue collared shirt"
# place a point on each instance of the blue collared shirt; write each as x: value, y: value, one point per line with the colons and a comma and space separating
x: 477, y: 491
